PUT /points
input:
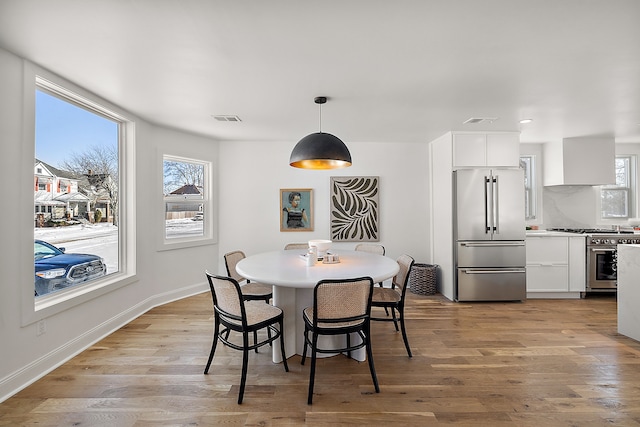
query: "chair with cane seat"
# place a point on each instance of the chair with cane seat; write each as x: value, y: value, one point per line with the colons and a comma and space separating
x: 371, y: 248
x: 393, y: 298
x: 290, y: 246
x: 232, y: 313
x: 340, y: 307
x: 250, y: 290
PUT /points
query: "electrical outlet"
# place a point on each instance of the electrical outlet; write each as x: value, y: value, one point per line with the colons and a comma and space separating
x: 41, y: 328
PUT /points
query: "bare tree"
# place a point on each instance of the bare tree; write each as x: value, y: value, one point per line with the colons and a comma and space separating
x: 178, y: 174
x: 99, y: 165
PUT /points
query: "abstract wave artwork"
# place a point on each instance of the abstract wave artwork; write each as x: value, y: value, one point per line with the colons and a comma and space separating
x: 354, y: 208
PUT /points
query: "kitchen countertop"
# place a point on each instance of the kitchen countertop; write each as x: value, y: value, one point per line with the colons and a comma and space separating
x: 543, y: 233
x: 546, y: 233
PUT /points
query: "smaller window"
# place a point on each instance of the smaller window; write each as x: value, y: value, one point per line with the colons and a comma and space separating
x: 186, y: 199
x: 527, y: 163
x: 616, y: 200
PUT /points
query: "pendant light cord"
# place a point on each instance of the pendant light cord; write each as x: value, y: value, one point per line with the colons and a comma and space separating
x: 320, y: 118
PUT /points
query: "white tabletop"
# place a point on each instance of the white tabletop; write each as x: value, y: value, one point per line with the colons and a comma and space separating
x: 288, y: 269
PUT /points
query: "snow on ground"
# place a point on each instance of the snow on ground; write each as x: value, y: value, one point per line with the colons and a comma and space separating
x: 102, y: 239
x: 57, y: 235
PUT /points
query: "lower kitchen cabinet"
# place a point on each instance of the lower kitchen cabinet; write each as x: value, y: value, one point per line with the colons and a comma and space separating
x: 556, y: 266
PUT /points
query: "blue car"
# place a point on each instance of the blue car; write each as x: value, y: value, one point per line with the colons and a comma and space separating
x: 57, y: 270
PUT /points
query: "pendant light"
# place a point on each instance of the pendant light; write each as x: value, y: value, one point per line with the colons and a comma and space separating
x: 320, y: 150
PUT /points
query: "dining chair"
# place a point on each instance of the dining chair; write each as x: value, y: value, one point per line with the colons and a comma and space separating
x: 373, y: 248
x: 340, y: 307
x: 393, y: 298
x: 232, y: 313
x: 290, y: 246
x: 250, y: 290
x: 370, y: 247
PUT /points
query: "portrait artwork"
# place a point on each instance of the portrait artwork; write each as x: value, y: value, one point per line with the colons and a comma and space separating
x: 296, y: 209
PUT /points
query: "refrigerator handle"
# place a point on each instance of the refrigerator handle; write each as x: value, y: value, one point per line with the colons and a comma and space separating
x: 500, y: 243
x: 487, y: 205
x: 494, y: 271
x: 496, y: 213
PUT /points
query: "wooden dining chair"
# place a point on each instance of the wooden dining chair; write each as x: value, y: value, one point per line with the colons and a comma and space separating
x: 340, y: 307
x: 232, y: 313
x: 250, y: 290
x: 392, y: 299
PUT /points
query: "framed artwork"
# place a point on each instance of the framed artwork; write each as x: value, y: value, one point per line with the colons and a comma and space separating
x: 296, y: 209
x: 354, y: 209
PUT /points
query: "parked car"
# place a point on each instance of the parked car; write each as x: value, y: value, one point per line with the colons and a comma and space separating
x: 57, y: 270
x: 199, y: 216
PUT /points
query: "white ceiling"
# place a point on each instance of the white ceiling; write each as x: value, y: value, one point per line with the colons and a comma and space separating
x: 405, y: 71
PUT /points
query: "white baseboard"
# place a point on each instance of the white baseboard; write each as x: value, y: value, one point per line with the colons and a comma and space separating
x: 553, y: 295
x: 30, y: 373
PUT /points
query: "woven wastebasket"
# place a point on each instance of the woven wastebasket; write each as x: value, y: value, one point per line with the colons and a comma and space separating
x: 422, y: 279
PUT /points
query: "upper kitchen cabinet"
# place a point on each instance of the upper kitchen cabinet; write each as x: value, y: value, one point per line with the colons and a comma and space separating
x: 486, y: 149
x: 579, y: 161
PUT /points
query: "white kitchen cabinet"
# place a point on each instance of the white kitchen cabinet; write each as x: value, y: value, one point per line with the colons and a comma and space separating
x: 547, y: 264
x: 577, y: 264
x: 486, y: 149
x: 555, y: 266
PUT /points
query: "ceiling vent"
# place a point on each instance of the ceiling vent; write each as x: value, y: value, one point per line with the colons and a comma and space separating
x: 227, y: 118
x: 475, y: 120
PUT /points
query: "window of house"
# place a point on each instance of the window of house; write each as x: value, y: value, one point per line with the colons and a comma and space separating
x: 616, y: 201
x: 527, y: 163
x: 187, y: 200
x: 83, y: 195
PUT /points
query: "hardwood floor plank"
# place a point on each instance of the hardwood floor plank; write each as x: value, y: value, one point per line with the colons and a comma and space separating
x: 536, y: 363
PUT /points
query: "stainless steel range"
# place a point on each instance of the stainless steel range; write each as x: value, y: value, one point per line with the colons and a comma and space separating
x: 602, y: 255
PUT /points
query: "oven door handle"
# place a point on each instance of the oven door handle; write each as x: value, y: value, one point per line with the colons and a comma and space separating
x: 602, y: 250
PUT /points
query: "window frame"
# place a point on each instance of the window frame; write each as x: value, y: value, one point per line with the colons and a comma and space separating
x: 630, y: 190
x: 531, y: 189
x: 33, y: 309
x: 535, y: 152
x: 209, y: 236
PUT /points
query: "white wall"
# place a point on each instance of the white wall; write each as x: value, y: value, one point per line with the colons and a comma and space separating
x: 252, y: 174
x: 161, y: 276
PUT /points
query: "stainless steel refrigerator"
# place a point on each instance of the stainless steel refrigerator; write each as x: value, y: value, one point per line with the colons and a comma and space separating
x: 489, y: 233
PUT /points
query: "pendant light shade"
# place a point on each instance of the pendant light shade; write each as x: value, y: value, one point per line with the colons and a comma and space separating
x: 320, y: 150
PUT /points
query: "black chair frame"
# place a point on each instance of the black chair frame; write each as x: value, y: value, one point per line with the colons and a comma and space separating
x: 313, y: 330
x: 397, y: 309
x: 226, y: 322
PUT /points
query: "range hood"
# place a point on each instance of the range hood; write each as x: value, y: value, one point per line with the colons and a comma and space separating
x: 585, y: 161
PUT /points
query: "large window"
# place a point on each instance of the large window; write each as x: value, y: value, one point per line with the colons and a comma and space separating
x: 76, y: 193
x: 83, y: 195
x: 527, y: 163
x: 187, y: 200
x: 616, y: 201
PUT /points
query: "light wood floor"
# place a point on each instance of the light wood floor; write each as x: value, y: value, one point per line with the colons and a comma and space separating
x: 538, y: 363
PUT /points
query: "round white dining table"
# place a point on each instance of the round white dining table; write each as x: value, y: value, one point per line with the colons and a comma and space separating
x: 293, y: 282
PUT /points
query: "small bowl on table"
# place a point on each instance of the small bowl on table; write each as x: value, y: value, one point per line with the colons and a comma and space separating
x: 322, y: 246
